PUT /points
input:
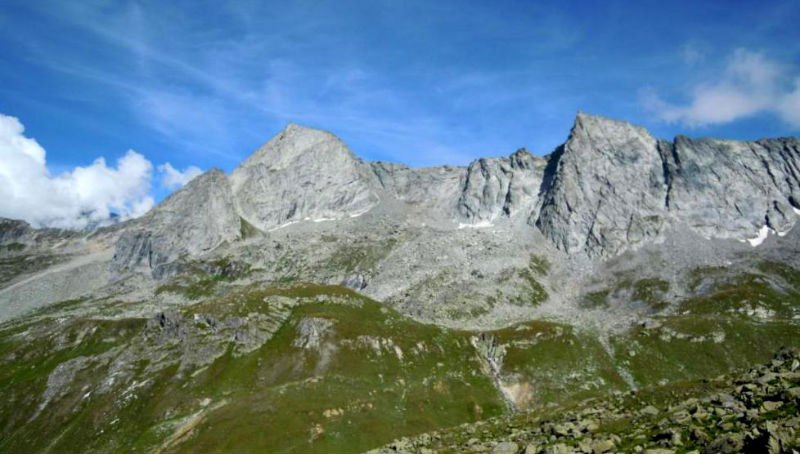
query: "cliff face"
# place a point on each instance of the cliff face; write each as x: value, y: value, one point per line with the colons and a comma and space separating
x: 194, y: 220
x: 607, y: 191
x: 609, y: 188
x: 615, y: 187
x: 727, y: 189
x: 301, y: 174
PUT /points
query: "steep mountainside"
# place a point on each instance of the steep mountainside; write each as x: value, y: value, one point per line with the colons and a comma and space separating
x: 315, y: 302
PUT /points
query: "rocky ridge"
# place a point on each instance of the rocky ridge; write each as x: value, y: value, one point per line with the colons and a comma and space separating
x: 611, y: 187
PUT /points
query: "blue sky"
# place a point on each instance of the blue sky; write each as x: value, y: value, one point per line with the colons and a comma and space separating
x: 420, y: 82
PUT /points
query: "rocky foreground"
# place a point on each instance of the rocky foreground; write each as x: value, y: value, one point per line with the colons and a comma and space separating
x: 755, y: 411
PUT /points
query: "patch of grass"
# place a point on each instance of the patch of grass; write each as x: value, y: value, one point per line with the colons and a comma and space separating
x: 248, y: 230
x: 788, y: 274
x: 12, y: 247
x: 539, y: 265
x: 593, y: 300
x: 13, y: 266
x: 360, y: 257
x: 280, y: 393
x: 698, y: 276
x: 200, y: 280
x: 651, y: 292
x: 685, y: 348
x: 536, y: 292
x: 559, y: 363
x: 738, y: 295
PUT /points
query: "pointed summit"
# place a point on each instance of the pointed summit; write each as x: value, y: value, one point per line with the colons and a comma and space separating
x: 595, y: 127
x: 301, y: 173
x: 297, y: 144
x: 607, y: 190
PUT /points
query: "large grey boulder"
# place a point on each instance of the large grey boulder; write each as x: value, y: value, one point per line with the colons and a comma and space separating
x: 604, y: 189
x: 194, y: 220
x: 302, y: 174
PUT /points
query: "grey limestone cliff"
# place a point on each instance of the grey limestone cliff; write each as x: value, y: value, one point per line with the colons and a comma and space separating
x: 729, y: 189
x: 606, y: 189
x: 610, y: 187
x: 495, y: 187
x: 302, y: 174
x: 194, y: 220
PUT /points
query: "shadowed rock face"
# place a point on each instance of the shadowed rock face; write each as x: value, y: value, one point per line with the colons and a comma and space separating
x: 608, y: 189
x: 194, y: 220
x: 302, y: 174
x: 496, y: 187
x: 728, y: 189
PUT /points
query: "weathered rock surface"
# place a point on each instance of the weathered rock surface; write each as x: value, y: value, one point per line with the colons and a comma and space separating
x: 192, y: 221
x: 605, y: 189
x: 302, y: 174
x: 496, y: 187
x: 728, y: 189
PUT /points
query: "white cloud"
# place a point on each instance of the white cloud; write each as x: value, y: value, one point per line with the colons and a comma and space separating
x: 749, y: 84
x: 172, y: 178
x: 73, y: 199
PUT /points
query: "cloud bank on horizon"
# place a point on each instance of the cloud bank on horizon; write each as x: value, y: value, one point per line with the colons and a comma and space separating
x: 201, y: 84
x: 78, y: 198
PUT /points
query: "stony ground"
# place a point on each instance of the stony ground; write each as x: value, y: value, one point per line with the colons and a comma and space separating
x: 753, y: 411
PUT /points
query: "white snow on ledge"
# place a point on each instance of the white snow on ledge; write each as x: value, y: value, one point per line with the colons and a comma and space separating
x: 762, y: 235
x: 477, y: 225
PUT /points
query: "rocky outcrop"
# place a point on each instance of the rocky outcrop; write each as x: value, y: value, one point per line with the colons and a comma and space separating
x: 728, y: 189
x: 605, y: 189
x: 12, y: 230
x: 434, y: 187
x: 192, y: 221
x: 612, y: 186
x: 495, y: 187
x: 753, y: 411
x: 302, y: 174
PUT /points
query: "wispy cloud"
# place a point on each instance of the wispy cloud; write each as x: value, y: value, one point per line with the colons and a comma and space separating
x: 205, y: 91
x: 749, y: 84
x: 172, y: 178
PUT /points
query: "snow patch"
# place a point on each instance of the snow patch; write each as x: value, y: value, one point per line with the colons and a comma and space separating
x: 359, y: 213
x: 796, y: 211
x: 762, y: 235
x: 477, y: 225
x: 287, y: 224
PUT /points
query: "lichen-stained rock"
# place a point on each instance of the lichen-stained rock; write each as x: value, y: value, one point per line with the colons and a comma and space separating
x: 496, y: 187
x: 604, y: 191
x: 193, y: 220
x: 729, y: 189
x: 302, y: 174
x: 435, y: 189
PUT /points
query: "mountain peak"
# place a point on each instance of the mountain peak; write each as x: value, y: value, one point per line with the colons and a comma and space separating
x: 301, y: 173
x: 297, y: 144
x: 599, y: 126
